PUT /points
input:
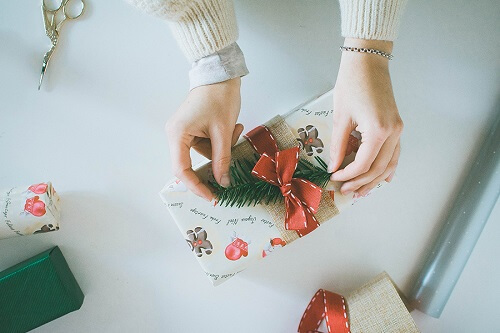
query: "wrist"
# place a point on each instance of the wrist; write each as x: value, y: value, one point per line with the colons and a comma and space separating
x: 231, y: 85
x: 381, y: 45
x: 366, y: 59
x: 225, y: 90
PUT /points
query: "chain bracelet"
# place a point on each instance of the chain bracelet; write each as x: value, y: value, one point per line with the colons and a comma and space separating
x: 364, y: 50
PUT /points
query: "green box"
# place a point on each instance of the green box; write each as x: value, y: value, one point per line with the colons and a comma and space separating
x: 36, y: 291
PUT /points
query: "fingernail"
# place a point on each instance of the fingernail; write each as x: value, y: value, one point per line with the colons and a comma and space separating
x: 345, y: 192
x: 225, y: 180
x: 389, y: 179
x: 355, y: 195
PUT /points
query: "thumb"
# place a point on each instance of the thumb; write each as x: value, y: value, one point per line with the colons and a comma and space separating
x: 220, y: 139
x: 338, y: 144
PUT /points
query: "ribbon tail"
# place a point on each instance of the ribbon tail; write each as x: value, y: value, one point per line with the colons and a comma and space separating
x: 328, y: 306
x: 298, y: 217
x: 312, y: 224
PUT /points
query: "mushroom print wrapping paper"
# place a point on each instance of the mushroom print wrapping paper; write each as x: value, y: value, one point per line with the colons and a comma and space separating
x: 28, y: 210
x: 226, y: 240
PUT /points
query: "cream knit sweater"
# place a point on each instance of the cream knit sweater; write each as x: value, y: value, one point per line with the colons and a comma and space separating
x: 203, y: 27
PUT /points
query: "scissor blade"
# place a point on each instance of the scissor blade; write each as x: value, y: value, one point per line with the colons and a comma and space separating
x: 45, y: 63
x: 44, y: 66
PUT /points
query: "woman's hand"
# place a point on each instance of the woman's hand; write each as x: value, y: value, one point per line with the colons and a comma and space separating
x: 363, y: 100
x: 206, y: 121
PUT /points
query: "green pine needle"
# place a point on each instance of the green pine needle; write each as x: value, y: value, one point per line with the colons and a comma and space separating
x: 248, y: 190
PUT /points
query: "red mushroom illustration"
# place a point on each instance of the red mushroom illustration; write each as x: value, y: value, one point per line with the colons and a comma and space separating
x: 35, y: 206
x: 38, y: 188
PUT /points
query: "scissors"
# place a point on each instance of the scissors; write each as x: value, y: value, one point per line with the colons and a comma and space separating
x: 53, y: 20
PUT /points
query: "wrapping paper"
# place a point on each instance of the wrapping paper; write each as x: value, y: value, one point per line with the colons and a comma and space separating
x: 226, y: 240
x: 29, y: 210
x: 461, y: 229
x: 376, y: 307
x: 36, y: 291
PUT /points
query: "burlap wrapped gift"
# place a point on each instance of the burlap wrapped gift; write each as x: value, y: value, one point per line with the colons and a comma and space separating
x: 376, y: 307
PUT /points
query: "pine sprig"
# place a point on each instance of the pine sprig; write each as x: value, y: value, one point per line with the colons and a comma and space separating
x: 318, y: 175
x: 247, y: 190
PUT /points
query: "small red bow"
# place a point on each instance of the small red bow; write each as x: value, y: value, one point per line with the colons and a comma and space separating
x: 302, y: 197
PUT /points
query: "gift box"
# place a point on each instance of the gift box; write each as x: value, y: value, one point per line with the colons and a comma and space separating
x: 227, y: 239
x: 376, y: 307
x: 29, y: 210
x: 36, y: 291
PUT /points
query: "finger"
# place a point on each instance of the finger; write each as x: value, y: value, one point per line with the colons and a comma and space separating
x: 238, y: 129
x: 204, y: 147
x: 338, y: 146
x: 221, y: 154
x: 389, y: 179
x: 377, y: 168
x: 388, y: 173
x: 367, y: 152
x: 181, y: 164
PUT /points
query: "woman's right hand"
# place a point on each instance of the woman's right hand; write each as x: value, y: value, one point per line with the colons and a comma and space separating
x: 205, y: 121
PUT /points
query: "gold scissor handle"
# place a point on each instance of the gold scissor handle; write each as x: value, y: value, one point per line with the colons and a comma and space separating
x: 53, y: 10
x: 68, y: 15
x: 62, y: 8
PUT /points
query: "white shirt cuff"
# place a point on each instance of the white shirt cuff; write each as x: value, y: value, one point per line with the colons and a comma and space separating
x: 225, y: 64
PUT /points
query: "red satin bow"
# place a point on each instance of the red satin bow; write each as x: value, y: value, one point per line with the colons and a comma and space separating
x: 302, y: 197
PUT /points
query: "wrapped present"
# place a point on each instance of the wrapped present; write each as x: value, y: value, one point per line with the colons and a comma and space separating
x: 36, y: 291
x: 376, y: 307
x: 29, y: 210
x: 228, y: 238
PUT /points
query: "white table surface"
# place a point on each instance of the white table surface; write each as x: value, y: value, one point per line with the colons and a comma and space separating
x: 96, y: 131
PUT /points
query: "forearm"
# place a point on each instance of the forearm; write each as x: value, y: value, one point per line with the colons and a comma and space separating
x: 201, y: 27
x: 206, y: 27
x: 371, y: 19
x: 206, y: 32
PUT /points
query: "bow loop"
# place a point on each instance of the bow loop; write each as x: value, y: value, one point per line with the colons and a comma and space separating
x: 286, y: 163
x: 302, y: 197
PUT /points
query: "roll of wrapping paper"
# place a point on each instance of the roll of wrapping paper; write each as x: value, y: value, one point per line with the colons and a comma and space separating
x: 27, y: 210
x: 461, y: 229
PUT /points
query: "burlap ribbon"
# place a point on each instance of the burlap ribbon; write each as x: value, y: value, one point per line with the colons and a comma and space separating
x: 285, y: 139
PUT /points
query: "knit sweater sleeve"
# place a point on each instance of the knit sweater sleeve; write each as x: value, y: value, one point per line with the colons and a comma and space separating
x: 201, y: 27
x: 371, y: 19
